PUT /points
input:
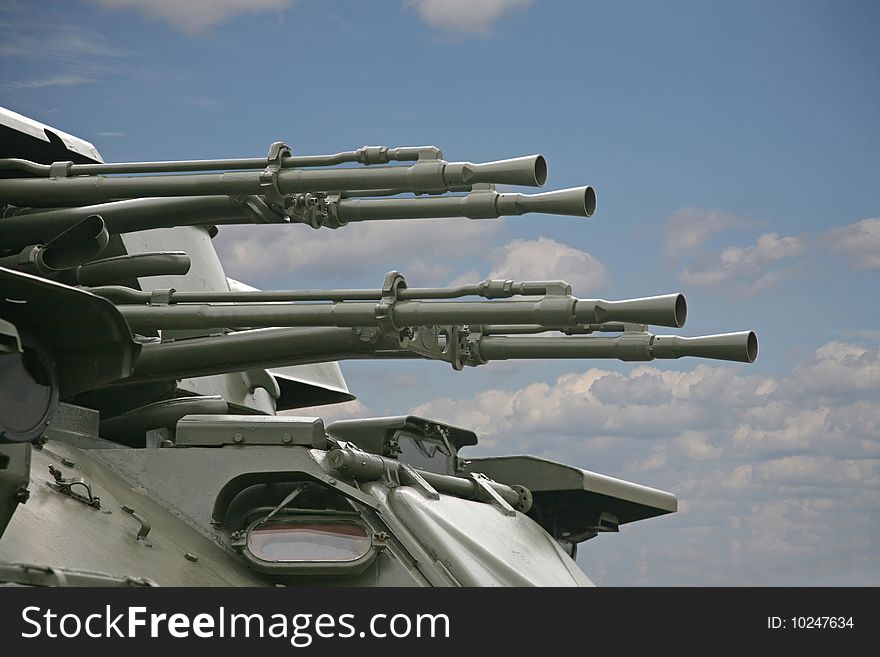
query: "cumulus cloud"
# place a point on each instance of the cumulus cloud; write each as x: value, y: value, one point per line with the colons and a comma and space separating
x: 837, y: 371
x: 777, y: 476
x: 421, y: 249
x: 547, y: 259
x: 194, y: 15
x: 465, y: 16
x: 690, y: 228
x: 428, y: 252
x: 745, y: 271
x: 859, y: 243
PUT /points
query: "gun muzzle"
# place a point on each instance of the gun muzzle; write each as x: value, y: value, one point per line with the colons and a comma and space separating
x: 741, y: 347
x: 530, y: 171
x: 664, y: 310
x: 577, y: 202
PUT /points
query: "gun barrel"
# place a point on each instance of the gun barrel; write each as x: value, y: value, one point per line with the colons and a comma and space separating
x: 38, y: 226
x: 550, y: 311
x: 276, y: 347
x: 365, y: 155
x: 577, y: 202
x: 423, y: 176
x: 740, y: 347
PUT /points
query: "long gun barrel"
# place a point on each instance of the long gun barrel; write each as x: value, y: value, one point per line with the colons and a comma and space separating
x: 133, y: 215
x: 740, y: 347
x: 364, y: 155
x: 423, y: 176
x: 290, y: 346
x: 666, y: 310
x: 578, y: 202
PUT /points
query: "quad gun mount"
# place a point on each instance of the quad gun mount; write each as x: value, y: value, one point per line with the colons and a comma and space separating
x: 59, y: 218
x: 125, y: 345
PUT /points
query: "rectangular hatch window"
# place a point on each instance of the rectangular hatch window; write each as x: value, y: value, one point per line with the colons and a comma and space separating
x: 295, y: 540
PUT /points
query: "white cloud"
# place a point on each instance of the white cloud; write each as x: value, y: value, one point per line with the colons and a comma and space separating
x: 777, y: 477
x: 859, y: 243
x: 111, y: 135
x: 467, y: 16
x: 745, y: 271
x: 547, y: 259
x: 420, y: 249
x: 195, y: 15
x: 839, y: 370
x: 689, y: 228
x: 427, y: 251
x: 656, y: 461
x: 695, y: 444
x: 803, y: 470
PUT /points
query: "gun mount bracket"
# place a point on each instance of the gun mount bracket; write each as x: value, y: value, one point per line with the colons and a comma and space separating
x: 65, y: 487
x: 412, y: 478
x: 162, y: 296
x: 269, y: 177
x: 391, y: 286
x: 60, y: 169
x: 262, y: 212
x: 317, y: 210
x: 490, y: 494
x: 447, y: 343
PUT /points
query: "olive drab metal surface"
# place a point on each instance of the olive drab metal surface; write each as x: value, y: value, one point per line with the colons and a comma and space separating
x: 140, y: 440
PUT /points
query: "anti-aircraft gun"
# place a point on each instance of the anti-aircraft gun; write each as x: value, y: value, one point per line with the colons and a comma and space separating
x: 140, y: 388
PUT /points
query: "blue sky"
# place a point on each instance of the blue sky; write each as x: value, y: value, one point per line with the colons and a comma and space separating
x: 733, y: 147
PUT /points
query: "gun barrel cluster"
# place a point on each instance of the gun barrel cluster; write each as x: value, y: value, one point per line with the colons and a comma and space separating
x: 59, y: 219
